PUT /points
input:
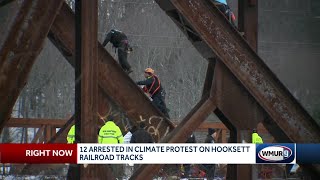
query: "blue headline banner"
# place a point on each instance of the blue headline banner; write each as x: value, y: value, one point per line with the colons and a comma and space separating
x: 308, y: 153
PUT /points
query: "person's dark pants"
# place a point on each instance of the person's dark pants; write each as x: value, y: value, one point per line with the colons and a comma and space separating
x: 158, y: 101
x: 210, y: 170
x: 122, y: 56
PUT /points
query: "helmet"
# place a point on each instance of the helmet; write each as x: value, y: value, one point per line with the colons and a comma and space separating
x: 149, y: 70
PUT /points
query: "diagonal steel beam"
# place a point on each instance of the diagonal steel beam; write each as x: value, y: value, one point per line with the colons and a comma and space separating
x: 250, y: 70
x: 11, y: 38
x: 59, y: 137
x: 38, y: 134
x: 234, y: 101
x: 23, y: 51
x: 180, y: 134
x: 112, y: 79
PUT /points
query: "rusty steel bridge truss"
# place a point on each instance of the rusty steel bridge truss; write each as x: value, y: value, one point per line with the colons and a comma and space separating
x: 239, y: 88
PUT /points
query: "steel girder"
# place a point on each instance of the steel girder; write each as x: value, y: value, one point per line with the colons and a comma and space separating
x: 22, y: 46
x: 180, y: 134
x: 212, y: 35
x: 112, y: 80
x: 249, y: 69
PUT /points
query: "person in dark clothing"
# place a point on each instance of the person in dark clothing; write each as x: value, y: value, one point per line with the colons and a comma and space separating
x: 141, y: 135
x: 120, y: 41
x: 187, y: 167
x: 154, y: 89
x: 225, y: 9
x: 210, y: 168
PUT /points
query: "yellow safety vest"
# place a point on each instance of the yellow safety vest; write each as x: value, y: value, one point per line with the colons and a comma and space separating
x: 256, y: 139
x: 110, y: 133
x: 71, y: 135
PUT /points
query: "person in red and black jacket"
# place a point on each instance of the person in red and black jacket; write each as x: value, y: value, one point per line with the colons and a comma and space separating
x: 154, y: 89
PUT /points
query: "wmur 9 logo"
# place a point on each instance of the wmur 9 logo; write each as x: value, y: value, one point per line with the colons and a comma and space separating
x: 275, y: 153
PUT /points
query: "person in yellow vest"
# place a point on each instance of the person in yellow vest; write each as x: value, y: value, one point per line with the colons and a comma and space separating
x: 71, y: 138
x: 110, y: 133
x: 256, y: 139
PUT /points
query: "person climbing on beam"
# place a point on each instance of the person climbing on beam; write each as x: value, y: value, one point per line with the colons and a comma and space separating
x: 222, y: 5
x: 121, y: 43
x: 154, y: 90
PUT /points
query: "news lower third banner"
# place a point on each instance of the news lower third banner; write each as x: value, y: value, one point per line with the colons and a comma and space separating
x: 175, y: 153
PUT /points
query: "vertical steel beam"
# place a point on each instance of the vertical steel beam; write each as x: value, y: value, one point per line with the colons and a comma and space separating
x: 180, y: 134
x: 89, y: 70
x: 18, y: 57
x: 244, y: 115
x: 234, y: 101
x: 87, y: 59
x: 209, y: 79
x: 248, y: 21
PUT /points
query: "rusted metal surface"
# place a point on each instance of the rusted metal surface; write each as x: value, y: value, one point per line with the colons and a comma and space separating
x: 241, y: 110
x: 87, y: 59
x: 234, y: 100
x: 209, y: 79
x: 10, y: 41
x: 180, y: 134
x: 89, y: 70
x: 233, y: 170
x: 35, y: 122
x: 23, y: 51
x: 8, y: 19
x: 112, y: 79
x: 278, y: 134
x: 248, y: 21
x: 251, y: 71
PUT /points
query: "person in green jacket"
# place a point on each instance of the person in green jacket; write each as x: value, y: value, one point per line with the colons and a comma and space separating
x: 110, y: 133
x: 71, y: 138
x: 256, y: 139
